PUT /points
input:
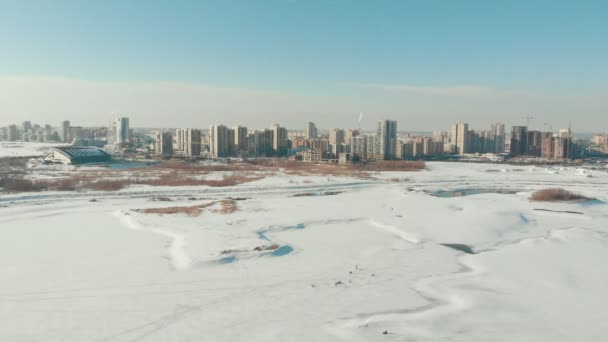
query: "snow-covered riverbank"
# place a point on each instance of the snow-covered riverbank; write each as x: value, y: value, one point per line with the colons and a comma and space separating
x: 358, y: 259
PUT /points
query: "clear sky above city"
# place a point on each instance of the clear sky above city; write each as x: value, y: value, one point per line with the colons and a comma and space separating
x: 426, y: 64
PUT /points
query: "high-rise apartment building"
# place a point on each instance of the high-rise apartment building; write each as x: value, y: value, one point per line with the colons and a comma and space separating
x: 240, y: 139
x: 259, y: 143
x: 121, y: 131
x: 439, y: 136
x: 180, y: 139
x: 498, y: 130
x: 519, y: 141
x: 12, y: 133
x: 349, y: 134
x: 65, y: 132
x: 372, y: 147
x: 547, y: 145
x: 358, y: 146
x: 192, y: 142
x: 387, y: 139
x: 279, y: 140
x: 164, y: 144
x: 310, y: 131
x: 27, y: 126
x: 219, y: 143
x: 534, y: 140
x: 460, y: 138
x: 321, y: 146
x: 336, y: 136
x: 563, y: 145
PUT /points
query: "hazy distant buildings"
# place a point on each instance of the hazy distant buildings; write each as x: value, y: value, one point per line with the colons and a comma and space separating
x: 121, y: 131
x: 259, y: 143
x: 65, y: 132
x: 164, y: 144
x: 12, y: 133
x: 372, y: 146
x: 310, y: 131
x: 498, y: 132
x: 534, y: 144
x: 240, y: 139
x: 337, y: 143
x: 349, y: 134
x: 547, y: 145
x: 180, y: 142
x: 358, y: 146
x: 279, y: 140
x: 563, y: 145
x: 336, y: 136
x: 519, y: 141
x: 27, y: 126
x: 322, y: 146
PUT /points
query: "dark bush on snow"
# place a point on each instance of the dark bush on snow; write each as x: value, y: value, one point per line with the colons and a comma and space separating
x: 556, y: 195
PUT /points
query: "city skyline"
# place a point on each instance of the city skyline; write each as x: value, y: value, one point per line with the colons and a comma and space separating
x: 258, y: 62
x: 345, y: 145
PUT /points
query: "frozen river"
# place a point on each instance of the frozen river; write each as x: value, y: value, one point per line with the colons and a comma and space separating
x: 457, y: 253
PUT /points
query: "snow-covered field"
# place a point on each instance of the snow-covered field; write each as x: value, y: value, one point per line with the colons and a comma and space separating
x: 25, y: 149
x: 342, y: 260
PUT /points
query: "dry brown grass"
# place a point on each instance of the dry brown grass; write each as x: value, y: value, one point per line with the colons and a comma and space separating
x: 204, y: 168
x: 106, y: 185
x: 556, y: 195
x: 20, y: 184
x: 398, y: 180
x: 226, y: 207
x: 232, y: 180
x: 12, y: 163
x: 171, y: 173
x: 390, y: 165
x: 112, y: 182
x: 193, y: 210
x: 67, y: 184
x: 357, y: 170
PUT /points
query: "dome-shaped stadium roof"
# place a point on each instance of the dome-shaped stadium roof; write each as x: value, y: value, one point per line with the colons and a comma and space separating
x: 77, y: 155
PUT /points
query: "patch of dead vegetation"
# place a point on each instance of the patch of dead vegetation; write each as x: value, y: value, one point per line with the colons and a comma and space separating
x: 17, y: 183
x: 398, y: 179
x: 193, y: 210
x: 310, y: 194
x: 225, y: 207
x: 356, y: 170
x: 557, y: 195
x: 13, y: 163
x: 266, y: 248
x: 172, y: 173
x: 105, y: 185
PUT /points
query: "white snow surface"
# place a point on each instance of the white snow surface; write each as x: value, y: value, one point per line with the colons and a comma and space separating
x: 350, y: 265
x: 25, y: 149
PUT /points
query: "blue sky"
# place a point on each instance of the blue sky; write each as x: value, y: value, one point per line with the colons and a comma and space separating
x: 326, y: 52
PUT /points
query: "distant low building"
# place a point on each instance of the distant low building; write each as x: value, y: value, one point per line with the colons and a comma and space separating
x: 77, y: 155
x: 312, y: 156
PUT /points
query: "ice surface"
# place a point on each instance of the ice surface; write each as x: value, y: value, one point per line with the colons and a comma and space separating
x: 345, y: 267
